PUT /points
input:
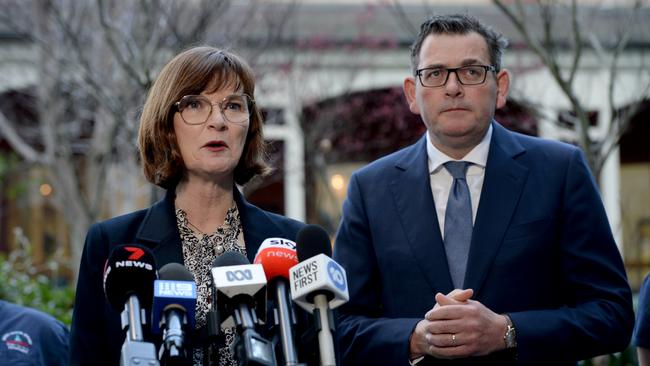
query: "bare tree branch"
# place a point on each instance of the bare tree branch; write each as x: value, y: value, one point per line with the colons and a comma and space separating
x: 398, y: 11
x: 87, y: 71
x: 546, y: 55
x: 614, y: 128
x: 18, y: 143
x: 96, y: 61
x: 621, y: 119
x: 597, y: 149
x: 577, y: 42
x: 110, y: 34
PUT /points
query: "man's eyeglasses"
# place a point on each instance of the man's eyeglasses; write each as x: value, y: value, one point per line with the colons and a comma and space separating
x: 196, y: 109
x: 433, y: 77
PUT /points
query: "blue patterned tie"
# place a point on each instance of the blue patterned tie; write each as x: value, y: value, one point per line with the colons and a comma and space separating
x: 458, y: 222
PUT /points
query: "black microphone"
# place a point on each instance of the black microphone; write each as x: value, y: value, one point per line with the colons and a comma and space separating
x: 240, y: 287
x: 277, y: 256
x: 174, y: 305
x: 318, y: 284
x: 129, y: 273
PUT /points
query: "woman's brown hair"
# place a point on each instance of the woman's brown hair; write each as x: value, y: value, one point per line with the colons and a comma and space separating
x: 191, y: 72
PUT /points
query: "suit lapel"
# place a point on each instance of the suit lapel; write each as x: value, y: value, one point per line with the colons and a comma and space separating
x: 256, y: 224
x: 502, y: 187
x: 159, y: 231
x: 416, y: 210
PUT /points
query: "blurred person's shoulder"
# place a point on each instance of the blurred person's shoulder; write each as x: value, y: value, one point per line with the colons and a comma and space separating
x: 26, y: 333
x: 16, y: 316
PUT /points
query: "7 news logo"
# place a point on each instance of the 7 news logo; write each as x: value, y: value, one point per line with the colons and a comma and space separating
x: 136, y: 253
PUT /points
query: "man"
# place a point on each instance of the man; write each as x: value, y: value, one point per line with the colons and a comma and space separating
x: 31, y: 337
x: 518, y: 231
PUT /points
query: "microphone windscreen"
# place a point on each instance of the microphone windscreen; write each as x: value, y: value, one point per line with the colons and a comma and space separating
x: 175, y: 272
x: 277, y: 256
x: 230, y: 259
x: 129, y: 270
x: 312, y: 240
x: 174, y: 289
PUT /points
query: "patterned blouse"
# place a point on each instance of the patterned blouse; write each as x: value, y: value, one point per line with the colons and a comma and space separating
x: 199, y: 251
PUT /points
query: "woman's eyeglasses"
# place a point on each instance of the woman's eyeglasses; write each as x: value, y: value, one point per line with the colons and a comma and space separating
x: 196, y: 109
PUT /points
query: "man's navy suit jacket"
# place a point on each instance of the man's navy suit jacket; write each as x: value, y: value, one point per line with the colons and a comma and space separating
x: 96, y: 337
x: 542, y: 251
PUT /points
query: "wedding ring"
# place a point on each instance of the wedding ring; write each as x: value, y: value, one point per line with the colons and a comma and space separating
x: 453, y: 339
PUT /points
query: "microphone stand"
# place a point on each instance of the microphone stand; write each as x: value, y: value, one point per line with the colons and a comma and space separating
x: 284, y: 313
x: 172, y: 351
x: 249, y: 347
x: 325, y: 339
x: 135, y: 351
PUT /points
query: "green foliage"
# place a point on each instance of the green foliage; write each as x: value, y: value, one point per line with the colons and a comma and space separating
x: 24, y: 284
x: 10, y: 165
x: 625, y: 358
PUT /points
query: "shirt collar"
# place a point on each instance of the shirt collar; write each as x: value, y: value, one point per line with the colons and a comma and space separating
x: 477, y: 156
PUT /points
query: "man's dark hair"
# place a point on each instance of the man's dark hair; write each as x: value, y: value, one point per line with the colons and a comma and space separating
x: 459, y: 24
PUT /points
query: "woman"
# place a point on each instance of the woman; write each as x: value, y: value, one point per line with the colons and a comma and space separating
x: 200, y: 134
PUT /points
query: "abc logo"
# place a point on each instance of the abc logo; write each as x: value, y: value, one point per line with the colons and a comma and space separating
x: 239, y: 275
x: 336, y: 275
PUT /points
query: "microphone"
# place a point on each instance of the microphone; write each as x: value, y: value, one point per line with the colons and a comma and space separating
x: 129, y: 274
x: 240, y: 287
x: 318, y: 284
x: 174, y: 305
x: 277, y: 255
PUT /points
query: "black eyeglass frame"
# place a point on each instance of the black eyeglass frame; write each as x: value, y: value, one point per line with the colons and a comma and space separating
x: 250, y: 104
x: 449, y: 70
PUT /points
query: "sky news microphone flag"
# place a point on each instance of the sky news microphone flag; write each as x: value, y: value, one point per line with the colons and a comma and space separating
x: 277, y: 256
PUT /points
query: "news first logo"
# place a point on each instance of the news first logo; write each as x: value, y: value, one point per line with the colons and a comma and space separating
x: 318, y: 274
x: 17, y: 341
x: 307, y: 274
x: 304, y: 274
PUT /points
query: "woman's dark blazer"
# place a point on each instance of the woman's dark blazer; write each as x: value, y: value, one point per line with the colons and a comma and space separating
x: 96, y: 337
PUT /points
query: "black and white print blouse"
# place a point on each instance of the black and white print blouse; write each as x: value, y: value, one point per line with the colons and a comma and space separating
x: 199, y: 251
